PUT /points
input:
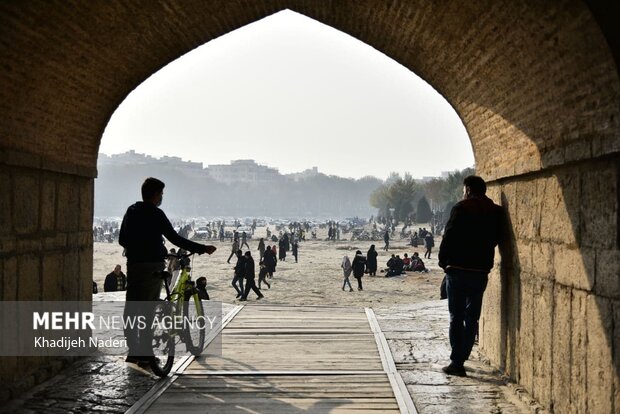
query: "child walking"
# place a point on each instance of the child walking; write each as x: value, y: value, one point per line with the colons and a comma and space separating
x: 347, y: 269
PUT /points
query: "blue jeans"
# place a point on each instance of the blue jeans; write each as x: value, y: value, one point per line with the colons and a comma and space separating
x: 465, y: 291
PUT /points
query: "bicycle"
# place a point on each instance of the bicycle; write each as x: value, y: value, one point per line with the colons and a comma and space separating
x: 184, y: 302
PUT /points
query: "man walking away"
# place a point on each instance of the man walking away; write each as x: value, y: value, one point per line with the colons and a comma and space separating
x: 248, y: 273
x: 429, y: 243
x: 244, y: 240
x: 466, y: 254
x: 386, y: 239
x: 235, y: 247
x: 238, y: 276
x: 295, y: 250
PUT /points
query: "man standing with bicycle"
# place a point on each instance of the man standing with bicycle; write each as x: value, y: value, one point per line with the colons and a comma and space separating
x: 142, y: 235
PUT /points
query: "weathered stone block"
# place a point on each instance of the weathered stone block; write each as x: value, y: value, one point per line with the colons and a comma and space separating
x: 52, y: 276
x: 561, y: 349
x: 28, y: 277
x: 491, y: 332
x: 26, y: 204
x: 560, y: 209
x: 599, y: 210
x: 542, y: 260
x: 574, y: 267
x: 528, y: 210
x: 579, y: 353
x: 600, y: 357
x: 86, y: 274
x: 67, y: 213
x: 543, y: 333
x: 71, y: 276
x: 9, y: 279
x: 6, y: 221
x: 524, y: 257
x: 608, y: 273
x: 87, y: 189
x: 616, y: 342
x: 526, y: 337
x: 48, y: 205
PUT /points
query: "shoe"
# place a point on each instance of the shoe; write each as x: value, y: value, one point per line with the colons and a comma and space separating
x: 242, y: 300
x: 238, y: 295
x: 360, y: 289
x: 268, y: 286
x: 456, y: 370
x: 351, y: 290
x: 343, y: 288
x: 260, y: 297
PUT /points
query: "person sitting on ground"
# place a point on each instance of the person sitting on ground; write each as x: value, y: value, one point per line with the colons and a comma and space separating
x: 115, y: 281
x: 417, y: 265
x: 406, y: 262
x: 397, y: 267
x: 390, y: 263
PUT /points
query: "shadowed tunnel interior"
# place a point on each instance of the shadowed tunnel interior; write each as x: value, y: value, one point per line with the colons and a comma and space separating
x: 536, y: 85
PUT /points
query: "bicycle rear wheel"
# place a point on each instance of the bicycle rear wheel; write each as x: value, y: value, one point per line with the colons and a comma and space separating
x: 163, y: 342
x: 195, y: 324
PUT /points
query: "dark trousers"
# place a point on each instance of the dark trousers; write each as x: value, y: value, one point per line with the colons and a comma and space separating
x: 238, y: 280
x: 465, y: 290
x: 143, y: 289
x: 359, y: 282
x: 262, y: 274
x: 251, y: 284
x: 427, y: 254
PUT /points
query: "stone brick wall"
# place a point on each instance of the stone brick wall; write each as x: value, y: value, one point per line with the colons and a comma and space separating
x: 550, y: 317
x: 535, y: 84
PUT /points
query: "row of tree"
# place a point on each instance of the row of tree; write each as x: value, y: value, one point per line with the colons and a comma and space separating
x: 404, y: 198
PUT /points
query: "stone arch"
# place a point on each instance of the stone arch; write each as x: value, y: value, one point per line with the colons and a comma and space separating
x: 536, y: 86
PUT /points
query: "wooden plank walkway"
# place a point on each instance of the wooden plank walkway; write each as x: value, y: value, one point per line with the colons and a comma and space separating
x: 289, y: 359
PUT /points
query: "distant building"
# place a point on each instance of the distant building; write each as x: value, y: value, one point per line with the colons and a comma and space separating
x: 310, y: 172
x: 244, y: 171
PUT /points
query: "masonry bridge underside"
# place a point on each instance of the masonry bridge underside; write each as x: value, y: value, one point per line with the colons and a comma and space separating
x: 536, y: 85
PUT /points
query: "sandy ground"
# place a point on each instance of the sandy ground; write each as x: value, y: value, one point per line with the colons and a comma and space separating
x: 315, y: 280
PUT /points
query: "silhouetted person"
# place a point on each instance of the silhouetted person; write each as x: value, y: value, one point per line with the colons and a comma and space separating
x: 238, y: 277
x: 295, y: 250
x: 262, y: 275
x: 386, y: 239
x: 248, y: 273
x: 429, y: 243
x: 270, y: 261
x: 142, y: 230
x: 244, y: 240
x: 201, y: 287
x: 347, y: 268
x: 234, y: 248
x: 359, y: 265
x: 115, y: 281
x: 371, y: 261
x: 466, y: 254
x: 261, y: 248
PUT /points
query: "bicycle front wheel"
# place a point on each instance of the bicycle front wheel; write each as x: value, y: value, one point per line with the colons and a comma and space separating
x: 195, y: 324
x: 163, y: 342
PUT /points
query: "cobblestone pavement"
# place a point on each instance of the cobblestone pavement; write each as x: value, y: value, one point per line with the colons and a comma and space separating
x: 418, y: 338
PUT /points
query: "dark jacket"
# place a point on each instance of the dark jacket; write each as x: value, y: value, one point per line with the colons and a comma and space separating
x: 269, y: 259
x: 248, y: 266
x: 358, y: 265
x: 471, y: 234
x: 111, y: 284
x: 141, y: 234
x: 371, y: 260
x: 429, y: 241
x: 240, y: 266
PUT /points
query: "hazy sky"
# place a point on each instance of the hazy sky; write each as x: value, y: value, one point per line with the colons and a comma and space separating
x: 292, y: 93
